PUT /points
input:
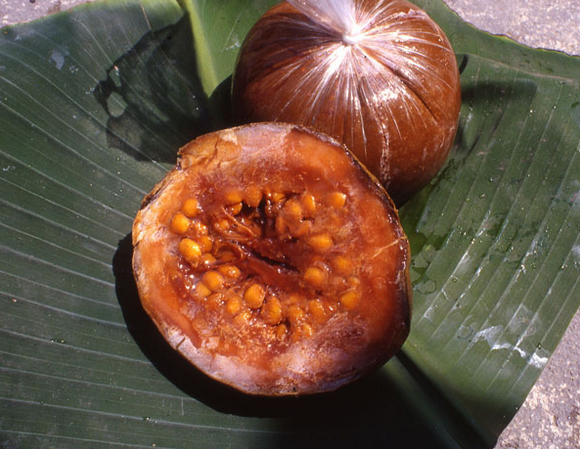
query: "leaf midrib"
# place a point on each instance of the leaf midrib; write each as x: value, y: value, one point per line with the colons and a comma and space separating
x: 205, y: 62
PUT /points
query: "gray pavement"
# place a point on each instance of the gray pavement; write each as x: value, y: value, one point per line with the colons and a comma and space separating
x: 550, y: 416
x: 552, y: 24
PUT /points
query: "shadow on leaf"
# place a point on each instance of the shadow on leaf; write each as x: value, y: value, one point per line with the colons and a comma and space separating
x: 371, y: 412
x: 153, y: 96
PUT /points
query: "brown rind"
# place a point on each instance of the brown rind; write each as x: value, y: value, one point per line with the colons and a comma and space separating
x: 344, y: 348
x: 393, y: 100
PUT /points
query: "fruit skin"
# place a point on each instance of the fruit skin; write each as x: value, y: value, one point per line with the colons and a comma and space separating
x: 337, y: 352
x: 392, y: 97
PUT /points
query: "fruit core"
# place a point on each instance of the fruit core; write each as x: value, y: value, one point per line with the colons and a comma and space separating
x: 263, y: 257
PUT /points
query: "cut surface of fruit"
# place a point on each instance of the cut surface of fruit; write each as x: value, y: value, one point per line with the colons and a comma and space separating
x: 272, y: 261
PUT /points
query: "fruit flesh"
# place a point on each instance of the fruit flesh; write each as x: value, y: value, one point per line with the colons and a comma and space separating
x: 392, y: 95
x: 291, y: 276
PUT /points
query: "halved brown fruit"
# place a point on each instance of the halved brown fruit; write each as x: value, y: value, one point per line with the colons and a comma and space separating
x: 273, y: 262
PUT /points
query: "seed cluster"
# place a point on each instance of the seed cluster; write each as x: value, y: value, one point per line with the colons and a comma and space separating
x: 267, y: 258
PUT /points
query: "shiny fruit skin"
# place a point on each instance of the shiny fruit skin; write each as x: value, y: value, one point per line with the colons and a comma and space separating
x: 391, y: 93
x: 292, y: 276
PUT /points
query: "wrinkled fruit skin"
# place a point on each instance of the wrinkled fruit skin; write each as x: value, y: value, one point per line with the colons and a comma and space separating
x: 272, y: 261
x: 391, y: 93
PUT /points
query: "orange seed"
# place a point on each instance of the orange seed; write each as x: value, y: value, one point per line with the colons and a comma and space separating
x: 207, y: 259
x: 309, y: 203
x: 191, y: 208
x: 253, y: 196
x: 243, y: 318
x: 254, y: 296
x: 235, y: 209
x: 226, y: 256
x: 281, y: 330
x: 233, y: 304
x: 206, y: 243
x: 199, y: 228
x: 233, y: 197
x: 222, y: 225
x: 202, y: 290
x: 320, y: 242
x: 315, y: 276
x: 276, y: 196
x: 301, y: 229
x: 336, y: 199
x: 272, y: 310
x: 230, y: 271
x: 349, y: 300
x: 353, y: 281
x: 316, y: 309
x: 213, y: 280
x: 295, y: 314
x: 293, y: 209
x: 190, y: 249
x: 179, y: 223
x: 341, y: 264
x: 306, y: 330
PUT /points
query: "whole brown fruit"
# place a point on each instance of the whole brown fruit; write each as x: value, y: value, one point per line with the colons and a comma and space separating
x: 378, y: 75
x: 272, y: 261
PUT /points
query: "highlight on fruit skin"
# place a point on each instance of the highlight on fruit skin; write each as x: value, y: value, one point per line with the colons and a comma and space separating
x: 287, y: 269
x: 379, y: 76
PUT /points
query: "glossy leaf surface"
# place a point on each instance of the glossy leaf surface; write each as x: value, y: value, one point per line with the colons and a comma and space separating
x: 94, y: 103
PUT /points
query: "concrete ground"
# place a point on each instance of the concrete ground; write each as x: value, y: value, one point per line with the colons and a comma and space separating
x: 550, y: 416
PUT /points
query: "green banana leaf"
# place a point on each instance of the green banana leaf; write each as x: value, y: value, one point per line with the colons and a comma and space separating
x: 94, y: 103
